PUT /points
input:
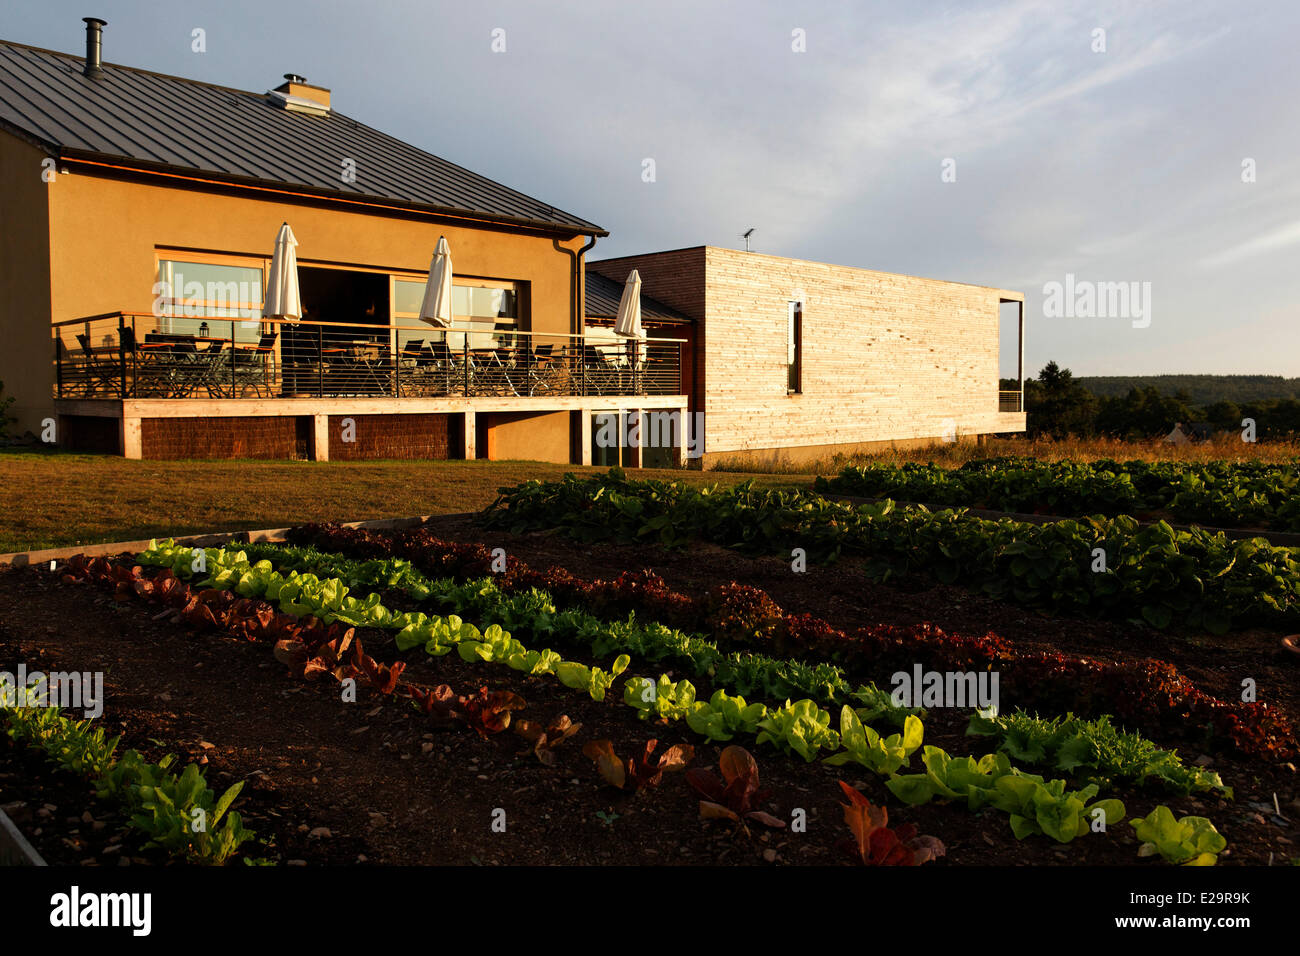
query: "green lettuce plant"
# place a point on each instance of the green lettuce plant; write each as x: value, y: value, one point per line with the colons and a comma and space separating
x: 1190, y: 841
x: 591, y: 679
x: 671, y: 700
x: 881, y: 755
x: 802, y: 727
x: 1093, y: 747
x: 1035, y: 805
x: 723, y: 716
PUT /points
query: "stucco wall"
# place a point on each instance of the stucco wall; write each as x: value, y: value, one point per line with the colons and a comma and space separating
x: 105, y: 228
x: 104, y: 232
x: 532, y: 437
x: 26, y: 356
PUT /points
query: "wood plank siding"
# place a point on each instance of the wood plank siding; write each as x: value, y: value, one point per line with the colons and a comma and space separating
x: 885, y: 358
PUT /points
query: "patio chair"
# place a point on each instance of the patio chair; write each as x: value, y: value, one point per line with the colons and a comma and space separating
x: 376, y: 371
x: 71, y: 372
x: 436, y: 370
x: 603, y: 377
x: 544, y: 371
x: 101, y: 369
x: 254, y: 367
x: 189, y: 369
x: 149, y: 369
x: 408, y: 367
x: 487, y: 373
x: 211, y: 370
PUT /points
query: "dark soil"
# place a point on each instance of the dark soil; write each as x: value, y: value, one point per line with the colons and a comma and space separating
x: 374, y: 781
x: 58, y: 814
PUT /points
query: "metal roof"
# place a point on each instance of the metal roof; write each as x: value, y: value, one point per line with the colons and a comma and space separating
x: 603, y: 296
x: 156, y: 122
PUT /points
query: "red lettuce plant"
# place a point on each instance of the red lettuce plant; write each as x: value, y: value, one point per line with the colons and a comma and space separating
x: 544, y: 738
x: 641, y: 771
x: 874, y: 844
x: 736, y: 795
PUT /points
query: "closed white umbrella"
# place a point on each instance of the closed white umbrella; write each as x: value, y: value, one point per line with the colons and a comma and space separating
x: 628, y: 322
x: 282, y: 298
x: 436, y: 307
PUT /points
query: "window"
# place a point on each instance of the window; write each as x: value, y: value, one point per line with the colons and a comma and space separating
x: 608, y: 446
x: 191, y: 295
x: 488, y: 309
x: 794, y: 349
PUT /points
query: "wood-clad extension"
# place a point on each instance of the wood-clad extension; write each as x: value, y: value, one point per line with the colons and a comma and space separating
x: 885, y: 359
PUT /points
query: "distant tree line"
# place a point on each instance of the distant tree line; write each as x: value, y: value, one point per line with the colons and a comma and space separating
x: 1058, y: 404
x: 1202, y: 390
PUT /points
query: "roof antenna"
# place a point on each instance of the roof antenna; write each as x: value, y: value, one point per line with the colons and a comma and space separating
x: 746, y: 236
x: 94, y: 45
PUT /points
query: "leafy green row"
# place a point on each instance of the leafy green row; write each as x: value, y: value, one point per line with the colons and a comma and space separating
x: 1107, y: 755
x: 176, y: 812
x: 534, y: 613
x: 800, y: 727
x: 1067, y: 743
x: 1220, y: 493
x: 328, y: 599
x: 1095, y: 566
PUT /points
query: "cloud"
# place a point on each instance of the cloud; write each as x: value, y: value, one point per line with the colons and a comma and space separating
x: 1271, y: 241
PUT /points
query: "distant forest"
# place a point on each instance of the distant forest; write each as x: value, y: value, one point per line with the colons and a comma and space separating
x: 1199, y: 389
x: 1148, y: 406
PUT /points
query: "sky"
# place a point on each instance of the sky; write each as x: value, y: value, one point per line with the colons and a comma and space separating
x: 1044, y: 146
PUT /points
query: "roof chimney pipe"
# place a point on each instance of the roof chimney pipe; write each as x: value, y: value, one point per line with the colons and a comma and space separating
x: 94, y: 45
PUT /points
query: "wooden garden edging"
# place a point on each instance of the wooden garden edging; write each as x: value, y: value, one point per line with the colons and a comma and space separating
x: 20, y: 559
x: 14, y: 848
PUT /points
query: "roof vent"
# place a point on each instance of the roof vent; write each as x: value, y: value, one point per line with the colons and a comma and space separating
x: 94, y: 46
x: 296, y: 94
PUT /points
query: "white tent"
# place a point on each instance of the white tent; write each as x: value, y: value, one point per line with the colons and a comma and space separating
x: 283, y: 300
x: 436, y: 307
x: 628, y: 322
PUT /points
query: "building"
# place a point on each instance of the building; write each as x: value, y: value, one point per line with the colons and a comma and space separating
x: 140, y: 216
x: 1192, y: 433
x: 794, y: 360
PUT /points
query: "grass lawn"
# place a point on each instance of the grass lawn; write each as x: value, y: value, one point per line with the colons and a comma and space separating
x: 54, y: 500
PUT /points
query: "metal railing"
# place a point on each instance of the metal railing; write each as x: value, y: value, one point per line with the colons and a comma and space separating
x: 137, y: 355
x: 1009, y: 402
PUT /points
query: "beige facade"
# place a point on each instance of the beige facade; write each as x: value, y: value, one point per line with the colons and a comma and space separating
x: 25, y: 286
x: 88, y: 242
x: 884, y: 358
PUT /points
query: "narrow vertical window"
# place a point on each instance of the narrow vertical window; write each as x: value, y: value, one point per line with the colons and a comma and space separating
x: 794, y: 348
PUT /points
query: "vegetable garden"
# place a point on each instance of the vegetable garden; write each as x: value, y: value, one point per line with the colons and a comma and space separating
x: 1248, y: 494
x: 538, y: 689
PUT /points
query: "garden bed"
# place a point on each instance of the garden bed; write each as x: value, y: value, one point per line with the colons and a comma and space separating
x: 376, y: 782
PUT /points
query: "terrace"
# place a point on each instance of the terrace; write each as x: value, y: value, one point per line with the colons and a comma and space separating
x: 135, y: 366
x: 125, y: 355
